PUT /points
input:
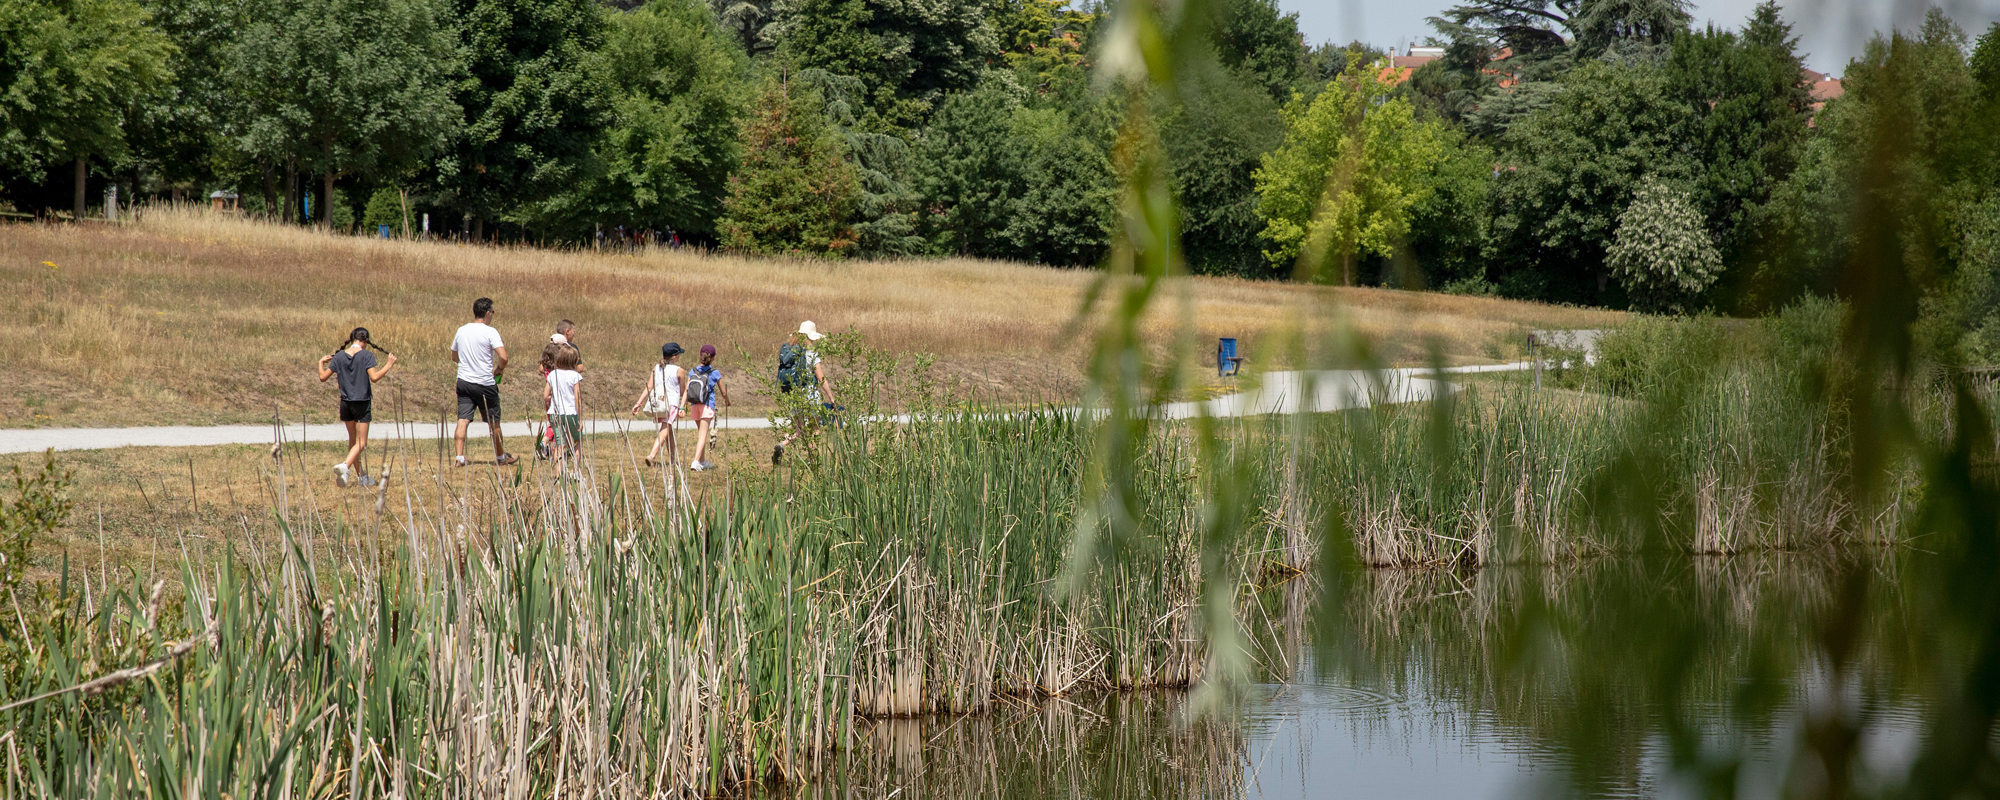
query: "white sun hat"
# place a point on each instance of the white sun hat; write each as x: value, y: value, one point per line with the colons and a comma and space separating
x: 811, y: 331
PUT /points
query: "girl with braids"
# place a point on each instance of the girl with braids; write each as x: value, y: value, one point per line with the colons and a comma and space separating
x: 356, y: 368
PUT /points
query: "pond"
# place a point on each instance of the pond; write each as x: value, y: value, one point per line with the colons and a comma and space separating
x: 1497, y: 683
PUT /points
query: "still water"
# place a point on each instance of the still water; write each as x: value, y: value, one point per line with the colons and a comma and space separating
x: 1333, y: 739
x: 1495, y: 684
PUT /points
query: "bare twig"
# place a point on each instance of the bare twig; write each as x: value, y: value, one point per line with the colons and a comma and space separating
x: 96, y: 685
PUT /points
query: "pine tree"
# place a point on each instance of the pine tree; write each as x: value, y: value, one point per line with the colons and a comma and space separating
x: 794, y: 193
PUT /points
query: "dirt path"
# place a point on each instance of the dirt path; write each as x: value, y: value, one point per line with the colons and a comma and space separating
x: 1280, y: 393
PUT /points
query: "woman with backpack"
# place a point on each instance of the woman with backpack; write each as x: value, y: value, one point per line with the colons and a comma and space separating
x: 799, y: 368
x: 704, y: 385
x: 662, y: 400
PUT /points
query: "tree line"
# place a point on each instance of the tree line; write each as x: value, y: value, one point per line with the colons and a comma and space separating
x: 1587, y: 151
x: 819, y: 127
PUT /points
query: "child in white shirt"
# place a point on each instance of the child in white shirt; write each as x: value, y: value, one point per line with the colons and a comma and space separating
x: 564, y: 395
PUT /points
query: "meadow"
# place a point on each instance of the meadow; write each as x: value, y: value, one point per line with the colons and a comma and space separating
x: 186, y: 317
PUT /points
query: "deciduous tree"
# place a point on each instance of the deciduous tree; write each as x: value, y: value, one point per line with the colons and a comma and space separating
x: 1908, y: 138
x: 69, y: 70
x: 343, y: 86
x: 1568, y: 170
x: 1000, y: 178
x: 1214, y: 141
x: 1661, y: 252
x: 176, y: 130
x: 1063, y: 215
x: 536, y: 102
x: 967, y: 169
x: 1342, y: 185
x: 679, y: 91
x: 1448, y: 228
x: 1255, y: 39
x: 907, y: 53
x: 1744, y: 107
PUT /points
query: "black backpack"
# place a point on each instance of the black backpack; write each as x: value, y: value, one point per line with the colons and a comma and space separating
x: 789, y: 356
x: 701, y: 386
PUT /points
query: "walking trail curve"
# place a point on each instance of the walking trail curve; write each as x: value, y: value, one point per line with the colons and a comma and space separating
x: 1281, y: 393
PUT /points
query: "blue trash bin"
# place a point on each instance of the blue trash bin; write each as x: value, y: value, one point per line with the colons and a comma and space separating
x: 1227, y: 363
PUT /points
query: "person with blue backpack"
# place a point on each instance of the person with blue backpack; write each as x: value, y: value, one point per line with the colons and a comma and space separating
x: 704, y: 387
x: 799, y: 369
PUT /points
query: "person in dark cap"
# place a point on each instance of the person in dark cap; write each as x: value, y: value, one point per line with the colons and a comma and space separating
x: 662, y: 400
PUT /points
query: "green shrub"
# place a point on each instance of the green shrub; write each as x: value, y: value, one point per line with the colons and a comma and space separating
x: 1649, y: 354
x: 41, y: 503
x: 385, y: 207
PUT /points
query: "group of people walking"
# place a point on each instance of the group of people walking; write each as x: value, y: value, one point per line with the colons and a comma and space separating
x: 672, y: 392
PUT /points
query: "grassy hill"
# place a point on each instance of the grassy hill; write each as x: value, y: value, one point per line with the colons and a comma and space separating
x: 190, y: 318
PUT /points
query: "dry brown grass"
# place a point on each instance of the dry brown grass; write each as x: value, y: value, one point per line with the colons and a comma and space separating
x: 143, y: 507
x: 190, y: 318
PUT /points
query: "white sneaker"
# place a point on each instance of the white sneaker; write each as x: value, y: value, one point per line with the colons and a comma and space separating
x: 340, y: 474
x: 697, y: 466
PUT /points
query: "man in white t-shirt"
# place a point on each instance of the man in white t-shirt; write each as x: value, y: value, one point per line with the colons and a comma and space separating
x: 482, y: 360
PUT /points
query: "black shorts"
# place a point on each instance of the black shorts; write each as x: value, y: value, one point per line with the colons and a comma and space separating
x: 356, y: 411
x: 479, y: 396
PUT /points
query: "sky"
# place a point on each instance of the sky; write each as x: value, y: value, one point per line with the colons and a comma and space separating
x: 1831, y: 32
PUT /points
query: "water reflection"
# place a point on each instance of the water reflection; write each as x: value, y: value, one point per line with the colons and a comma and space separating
x: 1489, y: 684
x: 1132, y: 745
x: 1317, y: 740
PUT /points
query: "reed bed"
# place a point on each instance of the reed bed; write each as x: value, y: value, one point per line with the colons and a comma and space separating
x: 607, y: 636
x: 1714, y: 440
x: 1506, y: 474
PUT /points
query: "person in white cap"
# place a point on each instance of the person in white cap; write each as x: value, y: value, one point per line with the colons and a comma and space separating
x: 566, y: 334
x: 799, y: 368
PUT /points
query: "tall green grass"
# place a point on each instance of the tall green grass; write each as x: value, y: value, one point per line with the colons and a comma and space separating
x: 1717, y: 431
x: 607, y: 635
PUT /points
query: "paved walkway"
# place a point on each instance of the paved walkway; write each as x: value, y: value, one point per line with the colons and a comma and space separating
x: 1281, y: 393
